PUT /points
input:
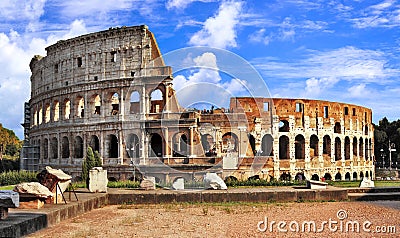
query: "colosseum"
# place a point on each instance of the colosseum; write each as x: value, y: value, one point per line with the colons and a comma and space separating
x: 112, y: 91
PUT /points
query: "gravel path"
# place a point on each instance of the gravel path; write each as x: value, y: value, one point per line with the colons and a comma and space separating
x: 233, y: 220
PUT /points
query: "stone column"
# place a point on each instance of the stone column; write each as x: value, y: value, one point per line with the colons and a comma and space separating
x: 166, y: 151
x: 191, y: 146
x: 121, y: 144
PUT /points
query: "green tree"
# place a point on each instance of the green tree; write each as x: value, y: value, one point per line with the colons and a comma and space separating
x: 97, y: 158
x: 88, y: 163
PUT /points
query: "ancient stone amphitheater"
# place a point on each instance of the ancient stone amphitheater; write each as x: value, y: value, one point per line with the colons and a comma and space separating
x: 111, y: 90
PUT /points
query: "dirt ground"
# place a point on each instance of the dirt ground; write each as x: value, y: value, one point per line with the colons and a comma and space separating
x: 235, y: 220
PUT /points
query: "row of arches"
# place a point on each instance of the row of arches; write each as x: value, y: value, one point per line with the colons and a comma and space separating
x: 360, y: 147
x: 337, y: 128
x: 52, y: 148
x: 96, y: 105
x: 347, y: 176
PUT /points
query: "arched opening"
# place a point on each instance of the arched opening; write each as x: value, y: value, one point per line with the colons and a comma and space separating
x: 65, y: 147
x: 370, y: 174
x: 315, y: 177
x: 114, y: 104
x: 47, y: 113
x: 355, y: 146
x: 35, y: 117
x: 366, y: 148
x: 229, y: 142
x: 133, y: 145
x: 156, y: 145
x: 337, y: 128
x: 95, y: 104
x: 285, y: 176
x: 299, y: 147
x: 347, y: 148
x: 327, y: 145
x: 314, y: 146
x: 284, y: 147
x: 347, y: 176
x: 366, y: 174
x: 80, y: 107
x: 54, y: 148
x: 45, y: 149
x: 355, y: 176
x: 252, y: 142
x: 180, y: 145
x: 300, y: 177
x: 267, y: 145
x: 112, y: 144
x: 207, y: 141
x: 361, y: 149
x: 135, y: 102
x: 366, y: 130
x: 67, y: 108
x: 78, y: 147
x: 56, y: 110
x: 338, y: 177
x: 284, y: 126
x: 94, y: 143
x: 156, y: 101
x: 338, y: 149
x: 328, y: 176
x: 361, y: 175
x: 40, y: 115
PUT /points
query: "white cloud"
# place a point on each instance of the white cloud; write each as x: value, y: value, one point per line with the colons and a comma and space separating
x: 182, y: 4
x: 16, y: 52
x: 205, y: 84
x: 220, y: 30
x: 315, y: 87
x: 21, y: 10
x: 384, y: 14
x: 359, y: 91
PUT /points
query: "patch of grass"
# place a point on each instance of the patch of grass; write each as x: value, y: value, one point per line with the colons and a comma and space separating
x: 123, y: 184
x: 8, y: 187
x: 352, y: 184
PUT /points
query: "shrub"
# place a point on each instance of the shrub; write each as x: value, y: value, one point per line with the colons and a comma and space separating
x: 91, y: 160
x: 16, y: 177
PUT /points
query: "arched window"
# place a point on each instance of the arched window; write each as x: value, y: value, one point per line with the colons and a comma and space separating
x: 347, y: 176
x: 54, y: 148
x: 94, y: 143
x: 267, y: 145
x: 112, y: 143
x: 80, y: 107
x: 284, y: 147
x: 355, y: 146
x: 229, y: 142
x: 361, y: 150
x: 207, y: 141
x: 338, y: 149
x: 47, y: 113
x: 135, y: 102
x: 338, y: 177
x: 314, y: 146
x: 78, y: 147
x: 65, y: 147
x: 156, y: 101
x: 299, y: 147
x: 347, y: 148
x: 45, y: 149
x: 115, y: 104
x: 133, y: 146
x: 337, y: 128
x: 284, y: 126
x: 67, y: 108
x: 180, y: 145
x: 95, y: 104
x: 156, y: 145
x: 40, y: 115
x: 327, y: 145
x: 56, y: 111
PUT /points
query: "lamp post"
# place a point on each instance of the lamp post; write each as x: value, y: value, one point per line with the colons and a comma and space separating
x: 391, y: 148
x: 383, y: 158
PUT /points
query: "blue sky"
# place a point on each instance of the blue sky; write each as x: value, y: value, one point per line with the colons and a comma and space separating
x: 345, y: 51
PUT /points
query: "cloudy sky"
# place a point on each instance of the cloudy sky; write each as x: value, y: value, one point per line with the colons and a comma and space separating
x: 339, y: 50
